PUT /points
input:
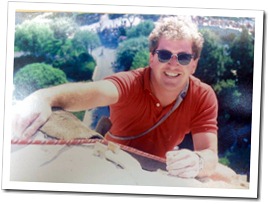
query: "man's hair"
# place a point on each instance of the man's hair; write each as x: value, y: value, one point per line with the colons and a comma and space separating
x: 177, y: 28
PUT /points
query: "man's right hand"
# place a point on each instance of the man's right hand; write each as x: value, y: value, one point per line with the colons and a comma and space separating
x: 29, y: 115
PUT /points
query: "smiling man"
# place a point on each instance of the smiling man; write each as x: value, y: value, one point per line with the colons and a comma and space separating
x: 152, y: 108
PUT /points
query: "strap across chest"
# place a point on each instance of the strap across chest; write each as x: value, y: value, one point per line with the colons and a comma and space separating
x: 179, y: 100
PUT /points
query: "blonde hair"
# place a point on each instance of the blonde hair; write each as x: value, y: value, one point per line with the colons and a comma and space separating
x: 177, y: 28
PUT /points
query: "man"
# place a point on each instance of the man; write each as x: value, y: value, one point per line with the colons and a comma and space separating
x: 139, y: 99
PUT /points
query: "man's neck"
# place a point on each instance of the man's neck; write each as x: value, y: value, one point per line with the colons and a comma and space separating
x: 164, y: 96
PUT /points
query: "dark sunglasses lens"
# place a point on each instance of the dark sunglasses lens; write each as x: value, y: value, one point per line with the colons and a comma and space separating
x: 164, y: 55
x: 184, y: 58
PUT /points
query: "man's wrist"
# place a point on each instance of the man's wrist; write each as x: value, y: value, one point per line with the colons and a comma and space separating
x: 201, y: 161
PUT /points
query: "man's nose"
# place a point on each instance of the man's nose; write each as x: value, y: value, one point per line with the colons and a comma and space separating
x: 174, y: 60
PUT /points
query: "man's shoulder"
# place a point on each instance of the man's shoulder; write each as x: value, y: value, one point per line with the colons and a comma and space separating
x: 131, y: 74
x: 199, y: 86
x: 131, y: 81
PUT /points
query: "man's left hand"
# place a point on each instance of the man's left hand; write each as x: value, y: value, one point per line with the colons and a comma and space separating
x: 183, y: 163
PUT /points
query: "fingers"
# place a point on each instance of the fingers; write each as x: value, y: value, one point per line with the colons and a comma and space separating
x: 28, y: 116
x: 27, y: 126
x: 182, y: 163
x: 21, y: 124
x: 34, y: 126
x: 188, y: 172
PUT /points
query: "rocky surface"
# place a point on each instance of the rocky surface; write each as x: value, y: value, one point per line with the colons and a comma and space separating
x: 97, y: 162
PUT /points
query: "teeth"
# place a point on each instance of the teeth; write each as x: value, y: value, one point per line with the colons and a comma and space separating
x: 171, y: 74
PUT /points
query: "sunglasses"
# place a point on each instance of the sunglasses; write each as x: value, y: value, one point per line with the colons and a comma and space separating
x: 182, y: 57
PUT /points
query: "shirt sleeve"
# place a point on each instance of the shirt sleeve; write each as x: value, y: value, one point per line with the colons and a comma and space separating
x: 205, y: 112
x: 126, y: 85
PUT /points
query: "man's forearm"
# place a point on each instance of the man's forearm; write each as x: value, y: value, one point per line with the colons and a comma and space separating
x: 77, y: 96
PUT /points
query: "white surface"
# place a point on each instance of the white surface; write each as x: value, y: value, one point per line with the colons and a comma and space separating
x: 79, y: 164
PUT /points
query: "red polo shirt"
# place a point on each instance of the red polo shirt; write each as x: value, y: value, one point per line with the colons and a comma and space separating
x: 138, y: 109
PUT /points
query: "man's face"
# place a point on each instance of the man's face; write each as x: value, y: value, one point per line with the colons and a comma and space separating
x: 171, y: 75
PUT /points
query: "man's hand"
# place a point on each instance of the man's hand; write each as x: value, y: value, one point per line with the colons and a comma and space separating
x: 29, y: 115
x: 183, y: 163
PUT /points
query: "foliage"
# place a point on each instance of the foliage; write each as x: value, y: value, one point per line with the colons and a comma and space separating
x: 33, y: 37
x: 127, y: 51
x: 79, y: 115
x: 63, y: 28
x: 78, y: 66
x: 49, y: 41
x: 36, y: 76
x: 142, y: 29
x: 213, y: 60
x: 86, y: 39
x: 23, y: 60
x: 242, y: 52
x: 141, y: 59
x: 224, y: 84
x: 131, y: 18
x: 110, y: 37
x: 133, y: 52
x: 226, y: 63
x: 224, y: 160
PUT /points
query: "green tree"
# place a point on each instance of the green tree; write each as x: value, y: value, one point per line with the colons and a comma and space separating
x: 242, y: 53
x: 36, y: 76
x: 50, y: 40
x: 142, y: 29
x: 76, y: 64
x: 33, y: 37
x: 127, y: 51
x: 141, y: 59
x: 213, y: 61
x: 86, y: 39
x: 227, y: 64
x: 63, y: 28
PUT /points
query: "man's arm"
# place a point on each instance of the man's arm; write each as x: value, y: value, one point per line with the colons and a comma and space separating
x: 31, y: 113
x: 206, y: 146
x: 82, y: 96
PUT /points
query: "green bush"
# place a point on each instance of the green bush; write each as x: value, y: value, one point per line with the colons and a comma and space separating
x: 127, y: 51
x: 86, y: 40
x: 33, y: 37
x: 141, y: 59
x: 77, y: 67
x: 142, y: 29
x: 36, y: 76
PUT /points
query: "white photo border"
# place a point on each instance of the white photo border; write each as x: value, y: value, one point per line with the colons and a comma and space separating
x: 68, y: 7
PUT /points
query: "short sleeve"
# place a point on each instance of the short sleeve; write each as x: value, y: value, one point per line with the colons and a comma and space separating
x: 205, y: 113
x: 127, y: 84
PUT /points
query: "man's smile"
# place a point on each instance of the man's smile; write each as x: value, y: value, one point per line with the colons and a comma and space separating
x: 172, y: 74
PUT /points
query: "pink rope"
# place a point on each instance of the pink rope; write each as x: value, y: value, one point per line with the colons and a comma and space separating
x: 83, y: 141
x: 53, y: 142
